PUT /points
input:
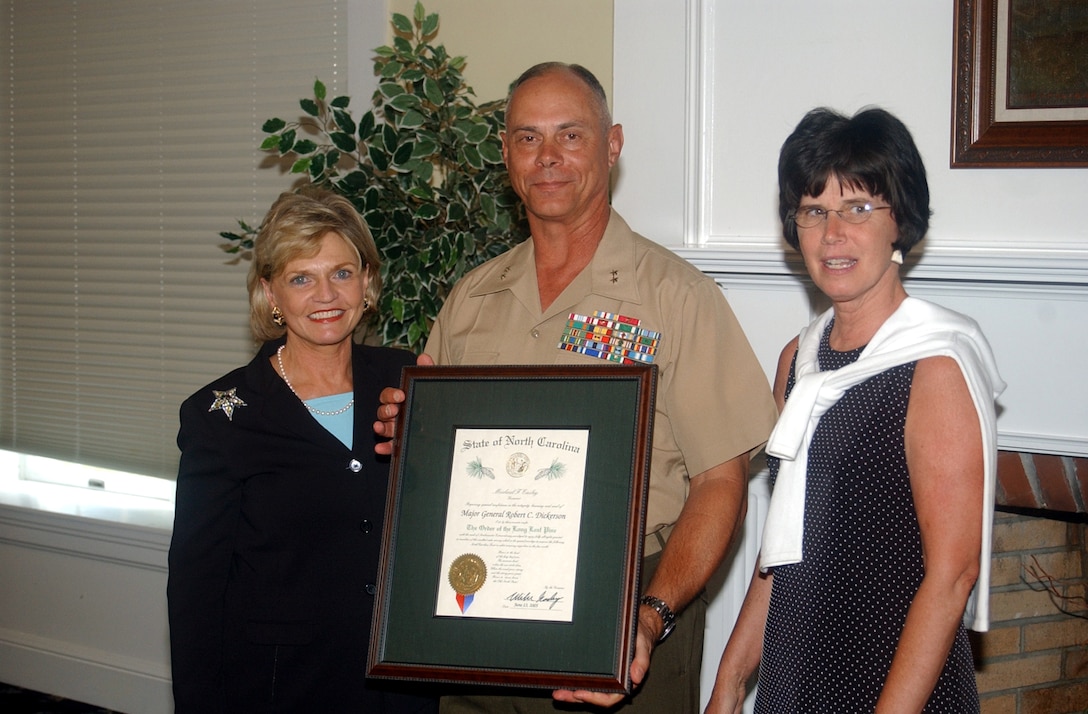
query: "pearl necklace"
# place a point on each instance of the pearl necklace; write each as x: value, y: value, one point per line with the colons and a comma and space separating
x: 283, y: 373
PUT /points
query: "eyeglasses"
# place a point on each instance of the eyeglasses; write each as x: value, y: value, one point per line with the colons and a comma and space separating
x: 812, y: 216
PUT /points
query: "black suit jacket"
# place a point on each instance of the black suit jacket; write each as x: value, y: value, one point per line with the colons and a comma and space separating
x: 275, y: 548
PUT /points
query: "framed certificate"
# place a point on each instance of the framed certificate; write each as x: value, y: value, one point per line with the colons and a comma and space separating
x: 514, y: 527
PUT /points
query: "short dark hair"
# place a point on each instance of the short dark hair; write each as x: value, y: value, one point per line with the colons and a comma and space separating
x: 587, y: 77
x: 871, y: 151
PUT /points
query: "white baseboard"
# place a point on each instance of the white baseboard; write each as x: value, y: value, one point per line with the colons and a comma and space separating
x: 83, y: 601
x: 84, y: 675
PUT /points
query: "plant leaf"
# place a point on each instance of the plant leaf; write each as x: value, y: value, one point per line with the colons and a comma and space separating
x: 354, y: 183
x: 402, y: 23
x: 378, y: 158
x: 389, y: 138
x: 342, y: 141
x: 423, y: 148
x: 404, y: 102
x: 287, y: 140
x: 391, y: 69
x: 366, y: 126
x: 488, y: 206
x: 422, y: 171
x: 304, y: 146
x: 427, y: 212
x: 422, y: 192
x: 477, y: 133
x: 472, y: 157
x: 271, y: 126
x: 390, y: 89
x: 344, y: 121
x: 411, y: 119
x: 415, y: 333
x: 456, y: 212
x: 430, y: 24
x: 402, y: 154
x: 490, y: 152
x: 372, y: 198
x: 433, y: 92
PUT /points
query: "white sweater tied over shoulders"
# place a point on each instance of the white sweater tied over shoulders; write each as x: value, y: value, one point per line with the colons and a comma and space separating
x: 917, y: 329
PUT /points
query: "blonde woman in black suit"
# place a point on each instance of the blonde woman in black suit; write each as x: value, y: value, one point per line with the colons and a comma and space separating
x: 280, y: 496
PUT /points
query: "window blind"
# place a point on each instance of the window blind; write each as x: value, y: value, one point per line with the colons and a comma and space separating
x: 129, y: 133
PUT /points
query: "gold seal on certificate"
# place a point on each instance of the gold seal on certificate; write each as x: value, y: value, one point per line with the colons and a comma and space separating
x: 467, y: 574
x: 517, y: 465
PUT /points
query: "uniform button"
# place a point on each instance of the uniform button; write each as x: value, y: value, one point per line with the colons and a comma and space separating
x: 535, y: 333
x: 366, y: 526
x: 371, y: 588
x: 355, y: 465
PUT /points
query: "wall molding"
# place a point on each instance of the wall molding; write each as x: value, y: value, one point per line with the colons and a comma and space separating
x: 85, y: 606
x: 82, y: 537
x: 1039, y: 267
x: 1021, y: 298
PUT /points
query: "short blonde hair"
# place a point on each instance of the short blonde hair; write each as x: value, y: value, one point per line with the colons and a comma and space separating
x: 293, y: 228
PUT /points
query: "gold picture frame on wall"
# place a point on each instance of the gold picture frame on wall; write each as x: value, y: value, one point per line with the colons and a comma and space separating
x: 1013, y: 102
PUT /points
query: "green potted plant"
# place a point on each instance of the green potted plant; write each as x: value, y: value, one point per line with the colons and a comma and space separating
x: 423, y: 166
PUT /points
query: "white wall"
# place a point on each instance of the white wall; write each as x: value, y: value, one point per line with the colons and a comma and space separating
x: 83, y: 601
x: 706, y: 111
x: 707, y: 90
x: 761, y: 66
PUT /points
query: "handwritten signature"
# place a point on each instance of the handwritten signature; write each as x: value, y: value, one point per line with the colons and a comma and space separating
x: 551, y: 600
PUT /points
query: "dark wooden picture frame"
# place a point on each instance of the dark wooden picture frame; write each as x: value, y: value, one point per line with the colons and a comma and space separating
x: 593, y: 651
x: 978, y: 140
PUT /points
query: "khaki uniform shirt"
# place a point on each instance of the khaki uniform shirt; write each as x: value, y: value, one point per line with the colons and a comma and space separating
x: 713, y: 399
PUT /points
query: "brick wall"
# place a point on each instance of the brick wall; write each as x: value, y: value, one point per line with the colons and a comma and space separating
x: 1034, y: 659
x: 1045, y: 481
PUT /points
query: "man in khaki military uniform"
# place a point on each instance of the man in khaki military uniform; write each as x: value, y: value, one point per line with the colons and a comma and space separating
x: 714, y: 405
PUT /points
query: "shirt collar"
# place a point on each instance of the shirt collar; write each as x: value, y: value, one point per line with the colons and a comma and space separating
x: 611, y: 271
x: 612, y: 268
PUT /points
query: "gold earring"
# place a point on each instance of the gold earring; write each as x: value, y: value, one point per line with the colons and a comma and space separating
x: 277, y: 317
x: 366, y: 304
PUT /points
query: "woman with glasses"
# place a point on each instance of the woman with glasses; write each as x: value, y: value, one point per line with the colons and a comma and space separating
x: 876, y: 547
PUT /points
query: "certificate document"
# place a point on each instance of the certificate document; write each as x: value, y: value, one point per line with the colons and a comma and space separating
x: 513, y: 518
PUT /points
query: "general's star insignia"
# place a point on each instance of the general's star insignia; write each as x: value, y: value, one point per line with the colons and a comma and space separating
x: 227, y: 401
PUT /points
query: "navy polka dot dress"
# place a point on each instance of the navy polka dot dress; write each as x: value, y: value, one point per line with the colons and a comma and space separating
x: 835, y: 618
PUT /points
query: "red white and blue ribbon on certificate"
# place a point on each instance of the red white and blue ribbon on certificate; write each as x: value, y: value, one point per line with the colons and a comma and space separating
x: 611, y: 337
